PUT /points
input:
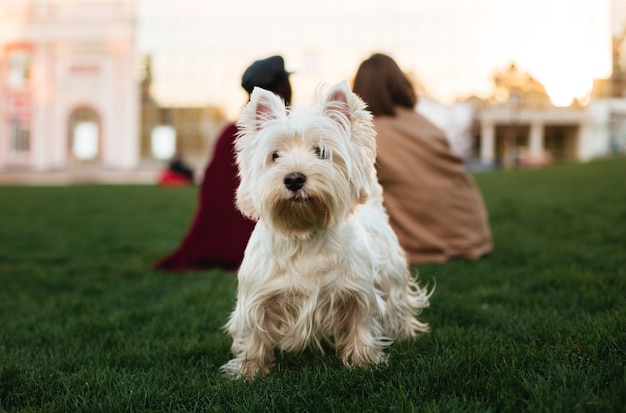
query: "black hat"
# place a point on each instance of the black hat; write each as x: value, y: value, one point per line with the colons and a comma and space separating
x: 264, y: 73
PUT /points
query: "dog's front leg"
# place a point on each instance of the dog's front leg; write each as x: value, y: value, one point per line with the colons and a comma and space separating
x: 253, y: 352
x: 257, y: 329
x: 358, y: 335
x: 252, y: 356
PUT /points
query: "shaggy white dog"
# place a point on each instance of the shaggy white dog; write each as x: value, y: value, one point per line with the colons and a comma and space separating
x: 322, y: 264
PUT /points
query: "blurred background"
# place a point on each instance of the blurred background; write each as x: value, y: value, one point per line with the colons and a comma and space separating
x: 110, y: 90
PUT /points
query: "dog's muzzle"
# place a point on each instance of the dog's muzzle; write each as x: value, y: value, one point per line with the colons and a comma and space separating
x: 294, y: 181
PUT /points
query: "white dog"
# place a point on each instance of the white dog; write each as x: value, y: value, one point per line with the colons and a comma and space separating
x: 322, y: 264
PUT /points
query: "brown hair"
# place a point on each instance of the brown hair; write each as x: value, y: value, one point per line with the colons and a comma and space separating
x: 382, y: 85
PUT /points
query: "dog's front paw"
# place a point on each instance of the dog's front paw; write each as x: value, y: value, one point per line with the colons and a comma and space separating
x: 244, y: 369
x: 364, y: 357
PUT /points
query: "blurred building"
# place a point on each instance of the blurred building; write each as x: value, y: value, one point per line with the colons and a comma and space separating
x: 72, y: 99
x: 519, y: 126
x: 608, y: 104
x: 187, y: 131
x: 69, y: 94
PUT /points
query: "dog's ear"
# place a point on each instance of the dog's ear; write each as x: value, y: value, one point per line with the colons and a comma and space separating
x: 337, y: 100
x: 349, y: 111
x: 263, y: 106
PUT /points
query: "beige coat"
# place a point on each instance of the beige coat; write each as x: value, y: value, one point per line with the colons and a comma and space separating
x: 434, y: 205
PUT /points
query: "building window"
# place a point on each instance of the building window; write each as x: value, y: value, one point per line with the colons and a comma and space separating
x: 163, y: 142
x: 85, y: 141
x: 84, y: 135
x: 19, y: 69
x: 20, y: 137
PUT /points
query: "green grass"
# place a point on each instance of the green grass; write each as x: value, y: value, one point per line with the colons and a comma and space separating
x: 537, y: 326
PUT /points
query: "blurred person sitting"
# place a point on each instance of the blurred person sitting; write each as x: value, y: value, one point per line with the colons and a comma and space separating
x: 177, y: 173
x: 434, y: 205
x: 219, y: 233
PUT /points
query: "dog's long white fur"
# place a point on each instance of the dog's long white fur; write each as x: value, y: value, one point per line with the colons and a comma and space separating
x: 322, y: 264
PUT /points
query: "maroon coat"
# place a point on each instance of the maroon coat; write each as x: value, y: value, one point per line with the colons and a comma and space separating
x: 219, y: 233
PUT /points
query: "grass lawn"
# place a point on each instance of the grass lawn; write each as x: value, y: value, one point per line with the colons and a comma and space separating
x: 537, y: 326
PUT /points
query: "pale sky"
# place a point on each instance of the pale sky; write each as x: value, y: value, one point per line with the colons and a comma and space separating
x: 201, y: 47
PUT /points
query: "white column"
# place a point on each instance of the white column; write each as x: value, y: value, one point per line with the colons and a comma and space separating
x: 43, y: 76
x: 487, y: 142
x: 584, y: 142
x: 535, y: 144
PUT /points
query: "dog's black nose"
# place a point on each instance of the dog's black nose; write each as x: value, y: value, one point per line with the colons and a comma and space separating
x: 294, y: 181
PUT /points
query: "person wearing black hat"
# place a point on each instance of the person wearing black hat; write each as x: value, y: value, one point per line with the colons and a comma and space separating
x: 269, y: 74
x: 218, y: 234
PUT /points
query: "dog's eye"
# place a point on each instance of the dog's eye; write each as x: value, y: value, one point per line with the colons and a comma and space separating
x: 275, y: 156
x: 321, y: 152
